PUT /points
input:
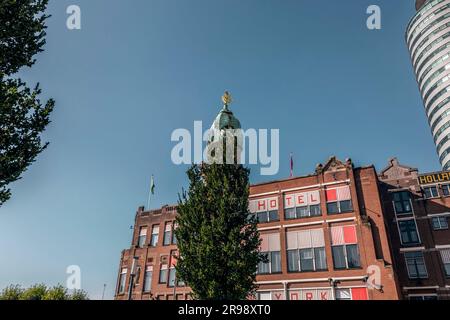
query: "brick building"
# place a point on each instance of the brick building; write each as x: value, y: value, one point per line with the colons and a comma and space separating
x: 339, y: 233
x: 416, y: 208
x: 325, y: 236
x: 152, y: 257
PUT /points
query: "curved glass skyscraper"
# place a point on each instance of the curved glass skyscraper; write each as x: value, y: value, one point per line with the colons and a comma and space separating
x: 428, y: 40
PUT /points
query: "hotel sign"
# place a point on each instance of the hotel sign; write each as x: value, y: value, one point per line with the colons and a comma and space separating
x: 434, y: 178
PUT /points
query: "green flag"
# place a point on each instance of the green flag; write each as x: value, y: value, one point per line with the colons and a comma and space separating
x: 152, y: 185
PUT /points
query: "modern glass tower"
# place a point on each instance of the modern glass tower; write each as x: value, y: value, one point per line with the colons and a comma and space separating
x: 428, y: 40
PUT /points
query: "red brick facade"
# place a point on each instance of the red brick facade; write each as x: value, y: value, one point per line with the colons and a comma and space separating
x: 420, y: 237
x: 329, y: 235
x: 151, y: 256
x: 363, y: 217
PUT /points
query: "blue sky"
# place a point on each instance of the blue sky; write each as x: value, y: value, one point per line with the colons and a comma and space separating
x: 139, y: 69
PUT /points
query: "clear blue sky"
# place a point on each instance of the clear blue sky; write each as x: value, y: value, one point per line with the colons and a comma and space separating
x: 140, y: 69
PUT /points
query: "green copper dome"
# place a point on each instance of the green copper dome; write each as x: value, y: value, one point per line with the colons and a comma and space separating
x: 226, y: 120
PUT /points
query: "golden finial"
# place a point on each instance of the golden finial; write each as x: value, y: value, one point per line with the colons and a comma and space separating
x: 226, y: 98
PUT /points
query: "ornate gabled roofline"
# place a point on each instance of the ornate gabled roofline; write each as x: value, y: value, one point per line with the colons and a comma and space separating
x: 393, y: 162
x: 333, y: 162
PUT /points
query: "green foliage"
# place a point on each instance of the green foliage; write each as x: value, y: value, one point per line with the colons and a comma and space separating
x: 41, y: 292
x: 12, y: 292
x: 57, y: 292
x: 35, y: 292
x: 22, y: 33
x: 22, y: 115
x: 22, y: 119
x: 79, y: 295
x: 217, y: 237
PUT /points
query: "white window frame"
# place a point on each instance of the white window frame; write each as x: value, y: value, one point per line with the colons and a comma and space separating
x: 417, y: 230
x: 440, y: 224
x: 269, y: 257
x: 157, y: 238
x: 123, y: 273
x: 429, y: 187
x: 410, y: 203
x: 442, y: 189
x: 424, y: 262
x: 145, y: 236
x: 266, y: 293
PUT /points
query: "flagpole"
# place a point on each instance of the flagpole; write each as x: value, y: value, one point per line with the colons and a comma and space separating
x: 148, y: 201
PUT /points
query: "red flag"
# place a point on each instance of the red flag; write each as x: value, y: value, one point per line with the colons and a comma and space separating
x: 292, y: 166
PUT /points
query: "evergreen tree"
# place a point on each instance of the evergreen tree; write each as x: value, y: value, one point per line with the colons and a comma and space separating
x: 22, y: 115
x: 217, y: 237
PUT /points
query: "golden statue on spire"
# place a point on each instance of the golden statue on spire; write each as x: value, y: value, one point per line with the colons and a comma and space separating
x: 226, y: 98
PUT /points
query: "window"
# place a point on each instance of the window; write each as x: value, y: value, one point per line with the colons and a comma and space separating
x: 122, y: 280
x: 430, y: 192
x: 402, y: 202
x: 266, y: 209
x: 439, y: 223
x: 302, y: 205
x: 163, y: 274
x: 275, y: 262
x: 446, y: 190
x: 172, y: 270
x: 408, y: 232
x: 306, y: 251
x: 264, y: 296
x: 306, y: 260
x: 344, y: 247
x: 148, y: 278
x: 155, y: 234
x: 445, y: 255
x: 174, y: 237
x: 339, y: 200
x: 352, y: 294
x: 270, y: 246
x: 415, y: 264
x: 167, y: 234
x: 142, y: 236
x: 343, y: 294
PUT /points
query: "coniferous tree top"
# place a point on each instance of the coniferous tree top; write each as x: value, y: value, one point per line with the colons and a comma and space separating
x: 217, y: 237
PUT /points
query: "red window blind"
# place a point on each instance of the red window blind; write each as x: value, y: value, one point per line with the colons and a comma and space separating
x: 331, y: 195
x: 350, y: 234
x: 343, y: 235
x: 359, y: 294
x: 173, y: 260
